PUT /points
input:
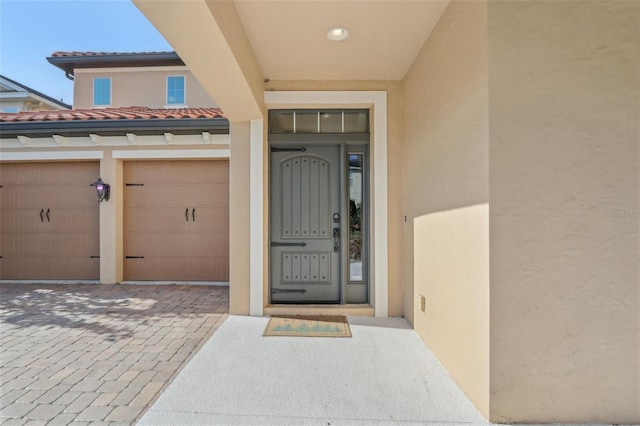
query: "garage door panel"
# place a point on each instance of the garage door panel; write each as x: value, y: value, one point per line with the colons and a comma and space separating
x: 83, y: 268
x: 25, y: 267
x: 48, y: 268
x: 23, y: 244
x: 178, y: 220
x: 57, y: 245
x: 219, y: 268
x: 212, y: 219
x: 77, y: 244
x: 25, y: 173
x: 202, y: 268
x: 25, y: 196
x: 211, y: 244
x: 177, y: 172
x: 220, y: 173
x: 188, y: 195
x: 80, y: 219
x: 74, y: 195
x: 150, y: 268
x: 22, y: 220
x: 157, y: 219
x: 158, y: 195
x: 136, y: 243
x: 138, y: 269
x: 76, y: 173
x: 213, y: 195
x: 152, y: 244
x: 199, y: 268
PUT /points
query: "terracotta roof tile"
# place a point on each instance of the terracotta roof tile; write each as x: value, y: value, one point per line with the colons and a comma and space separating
x: 125, y: 113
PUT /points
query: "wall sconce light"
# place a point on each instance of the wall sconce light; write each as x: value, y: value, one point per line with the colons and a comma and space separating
x: 103, y: 189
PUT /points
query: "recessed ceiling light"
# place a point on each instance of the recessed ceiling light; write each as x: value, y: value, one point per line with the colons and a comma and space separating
x: 337, y: 34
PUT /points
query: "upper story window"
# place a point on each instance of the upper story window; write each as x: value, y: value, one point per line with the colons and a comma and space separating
x: 175, y: 90
x: 102, y: 91
x: 10, y: 109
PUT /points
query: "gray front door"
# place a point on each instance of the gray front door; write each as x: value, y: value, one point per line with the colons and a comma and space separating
x: 305, y: 224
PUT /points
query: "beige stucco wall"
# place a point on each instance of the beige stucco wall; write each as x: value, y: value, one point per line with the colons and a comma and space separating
x: 138, y: 87
x: 111, y: 221
x: 564, y: 160
x: 394, y: 168
x: 239, y: 221
x: 446, y: 194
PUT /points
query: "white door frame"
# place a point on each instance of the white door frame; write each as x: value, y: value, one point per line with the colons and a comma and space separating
x: 378, y: 265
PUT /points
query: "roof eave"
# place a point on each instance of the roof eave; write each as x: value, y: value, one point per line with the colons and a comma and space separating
x: 114, y: 127
x: 37, y: 93
x: 69, y: 63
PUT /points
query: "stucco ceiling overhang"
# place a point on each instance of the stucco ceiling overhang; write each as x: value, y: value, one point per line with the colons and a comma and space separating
x: 232, y: 46
x: 289, y: 38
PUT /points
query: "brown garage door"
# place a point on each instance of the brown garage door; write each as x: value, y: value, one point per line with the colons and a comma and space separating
x: 176, y: 220
x: 49, y: 221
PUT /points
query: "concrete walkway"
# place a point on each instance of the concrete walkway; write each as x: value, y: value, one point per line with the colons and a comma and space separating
x: 78, y: 354
x: 384, y: 374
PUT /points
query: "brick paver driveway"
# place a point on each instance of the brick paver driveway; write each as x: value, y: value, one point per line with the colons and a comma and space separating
x: 97, y: 353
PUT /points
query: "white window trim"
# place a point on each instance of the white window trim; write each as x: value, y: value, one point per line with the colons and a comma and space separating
x: 93, y: 93
x: 166, y: 92
x: 378, y: 268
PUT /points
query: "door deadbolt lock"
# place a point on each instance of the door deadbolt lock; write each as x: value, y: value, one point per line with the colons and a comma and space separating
x: 336, y: 218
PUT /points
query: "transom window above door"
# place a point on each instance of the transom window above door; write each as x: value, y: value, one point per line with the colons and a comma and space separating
x: 352, y: 121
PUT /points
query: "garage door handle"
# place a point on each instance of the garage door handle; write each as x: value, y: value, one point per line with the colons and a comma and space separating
x: 193, y: 214
x: 41, y: 218
x: 186, y: 214
x: 48, y: 219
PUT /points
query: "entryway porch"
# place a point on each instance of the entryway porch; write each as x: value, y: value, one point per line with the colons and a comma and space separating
x: 384, y: 374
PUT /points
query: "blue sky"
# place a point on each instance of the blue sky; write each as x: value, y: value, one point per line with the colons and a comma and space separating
x: 31, y: 30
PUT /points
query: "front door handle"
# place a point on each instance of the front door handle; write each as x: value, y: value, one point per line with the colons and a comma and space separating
x: 186, y: 214
x: 48, y: 219
x: 193, y: 214
x: 336, y: 240
x: 41, y: 218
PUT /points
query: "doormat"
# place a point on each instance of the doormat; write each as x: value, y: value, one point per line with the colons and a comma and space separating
x: 308, y: 326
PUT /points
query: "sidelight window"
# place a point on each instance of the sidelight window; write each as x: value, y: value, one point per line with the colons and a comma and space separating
x: 356, y: 217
